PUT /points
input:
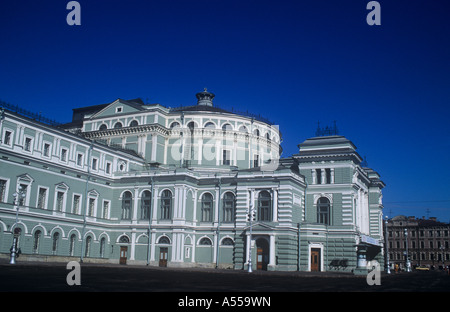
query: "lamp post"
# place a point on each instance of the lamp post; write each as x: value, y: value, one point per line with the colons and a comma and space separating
x: 20, y: 194
x: 251, y: 216
x: 407, y: 263
x: 386, y: 244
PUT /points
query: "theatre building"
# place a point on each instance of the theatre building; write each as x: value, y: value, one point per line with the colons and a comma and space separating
x: 192, y: 186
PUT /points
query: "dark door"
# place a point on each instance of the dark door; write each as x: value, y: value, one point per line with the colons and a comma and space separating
x: 262, y: 254
x: 123, y: 254
x: 163, y: 253
x: 315, y: 260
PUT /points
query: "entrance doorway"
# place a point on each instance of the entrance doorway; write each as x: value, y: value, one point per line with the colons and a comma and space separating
x: 262, y: 254
x: 315, y: 260
x: 163, y: 254
x: 123, y: 254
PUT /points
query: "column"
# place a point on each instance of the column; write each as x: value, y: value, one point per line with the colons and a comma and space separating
x: 274, y: 205
x: 135, y: 204
x: 216, y: 207
x: 200, y: 151
x: 154, y: 145
x: 154, y: 204
x: 133, y: 244
x: 272, y: 251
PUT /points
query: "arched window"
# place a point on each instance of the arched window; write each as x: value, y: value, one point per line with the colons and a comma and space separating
x: 264, y: 206
x: 227, y: 242
x: 229, y: 202
x: 191, y: 125
x: 72, y: 244
x: 227, y: 127
x: 124, y: 239
x: 205, y: 241
x: 102, y: 247
x: 323, y: 211
x: 164, y: 240
x: 118, y: 125
x: 243, y: 129
x: 55, y: 242
x: 126, y: 205
x: 17, y: 232
x: 103, y: 127
x: 175, y: 124
x: 87, y: 250
x: 207, y: 206
x: 36, y: 241
x: 210, y: 125
x: 134, y: 123
x: 166, y: 205
x: 256, y: 132
x: 146, y: 205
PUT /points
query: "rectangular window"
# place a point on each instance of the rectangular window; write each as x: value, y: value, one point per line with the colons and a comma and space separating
x: 105, y: 209
x: 7, y: 137
x: 256, y: 161
x: 319, y: 176
x: 42, y: 198
x: 76, y: 204
x: 59, y: 201
x: 27, y: 146
x: 328, y: 175
x: 63, y: 155
x: 22, y: 200
x: 94, y: 163
x: 226, y: 157
x: 3, y: 191
x: 80, y: 159
x: 46, y: 151
x: 91, y: 207
x: 108, y: 168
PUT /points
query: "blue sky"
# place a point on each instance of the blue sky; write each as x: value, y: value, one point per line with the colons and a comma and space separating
x: 294, y: 62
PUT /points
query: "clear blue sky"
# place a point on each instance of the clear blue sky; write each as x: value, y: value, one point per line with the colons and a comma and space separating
x: 295, y: 62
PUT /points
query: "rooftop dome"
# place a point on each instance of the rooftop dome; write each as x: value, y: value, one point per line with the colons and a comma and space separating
x: 205, y: 98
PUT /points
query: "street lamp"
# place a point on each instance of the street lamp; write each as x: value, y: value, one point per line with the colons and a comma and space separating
x: 408, y: 263
x: 18, y: 196
x: 251, y: 215
x: 386, y: 244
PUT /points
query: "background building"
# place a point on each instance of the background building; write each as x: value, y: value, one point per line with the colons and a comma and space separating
x: 128, y: 182
x: 427, y: 241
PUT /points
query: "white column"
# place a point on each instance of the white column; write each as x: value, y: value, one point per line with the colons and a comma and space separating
x: 135, y: 204
x: 133, y: 244
x: 313, y: 173
x: 216, y: 207
x: 275, y: 205
x: 154, y: 204
x: 323, y: 176
x: 272, y: 250
x: 154, y: 146
x: 174, y: 247
x: 200, y: 151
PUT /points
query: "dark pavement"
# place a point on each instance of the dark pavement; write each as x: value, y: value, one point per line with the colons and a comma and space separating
x: 51, y: 277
